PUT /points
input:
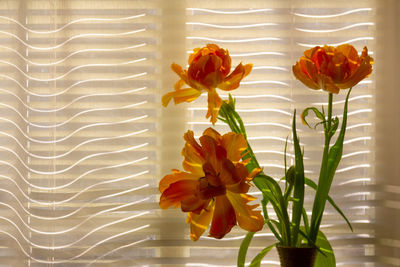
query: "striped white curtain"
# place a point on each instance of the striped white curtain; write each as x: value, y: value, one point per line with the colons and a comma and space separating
x: 78, y: 131
x: 84, y: 140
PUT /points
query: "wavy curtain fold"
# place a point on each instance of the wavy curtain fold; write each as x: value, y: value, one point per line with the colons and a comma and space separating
x: 77, y: 131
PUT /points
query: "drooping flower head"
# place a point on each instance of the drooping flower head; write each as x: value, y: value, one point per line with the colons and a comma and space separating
x: 213, y: 186
x: 209, y: 69
x: 332, y: 69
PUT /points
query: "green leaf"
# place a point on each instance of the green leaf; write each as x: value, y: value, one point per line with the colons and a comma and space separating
x: 264, y: 203
x: 335, y: 126
x: 311, y: 184
x: 327, y: 260
x: 285, y: 163
x: 305, y: 220
x: 298, y: 193
x: 272, y: 228
x: 318, y: 113
x: 257, y: 259
x: 244, y: 246
x: 273, y: 193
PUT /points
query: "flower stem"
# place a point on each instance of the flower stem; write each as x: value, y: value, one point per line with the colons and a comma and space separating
x: 330, y: 101
x: 319, y: 203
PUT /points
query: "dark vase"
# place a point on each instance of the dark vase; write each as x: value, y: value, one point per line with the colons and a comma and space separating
x: 297, y: 257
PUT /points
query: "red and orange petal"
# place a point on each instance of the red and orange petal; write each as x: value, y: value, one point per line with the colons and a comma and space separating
x: 176, y: 175
x: 194, y: 155
x: 180, y: 96
x: 224, y: 218
x: 200, y: 222
x: 363, y: 71
x: 351, y: 54
x: 232, y: 81
x: 235, y: 145
x: 213, y: 151
x: 228, y: 174
x: 325, y: 82
x: 194, y: 204
x: 212, y: 133
x: 305, y: 71
x: 178, y: 192
x: 248, y: 218
x: 181, y: 73
x: 214, y: 104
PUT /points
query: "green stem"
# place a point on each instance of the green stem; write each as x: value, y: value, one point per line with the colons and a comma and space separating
x: 330, y: 100
x: 318, y: 206
x: 243, y: 249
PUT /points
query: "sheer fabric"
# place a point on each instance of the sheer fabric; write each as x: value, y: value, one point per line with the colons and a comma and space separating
x: 84, y: 140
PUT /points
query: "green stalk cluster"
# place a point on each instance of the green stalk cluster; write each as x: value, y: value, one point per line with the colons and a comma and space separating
x: 296, y: 231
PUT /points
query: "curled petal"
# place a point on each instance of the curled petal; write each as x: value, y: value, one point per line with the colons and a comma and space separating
x: 181, y: 73
x: 327, y: 84
x: 213, y: 179
x: 213, y: 152
x: 194, y: 204
x: 224, y: 218
x: 228, y: 174
x: 338, y: 68
x: 199, y: 222
x: 233, y: 80
x: 194, y: 155
x: 304, y: 77
x: 351, y: 54
x: 363, y: 71
x: 189, y: 138
x: 181, y: 95
x: 235, y: 145
x: 240, y: 182
x: 310, y: 52
x: 248, y: 218
x: 177, y: 192
x: 214, y: 104
x: 176, y: 175
x: 212, y: 133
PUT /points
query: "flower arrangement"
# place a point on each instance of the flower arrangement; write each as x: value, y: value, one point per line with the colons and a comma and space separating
x: 219, y: 169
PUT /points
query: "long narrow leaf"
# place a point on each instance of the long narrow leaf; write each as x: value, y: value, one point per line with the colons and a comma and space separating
x: 264, y: 203
x: 257, y: 259
x: 311, y: 184
x: 305, y: 220
x: 243, y: 249
x: 272, y: 228
x: 298, y: 193
x: 273, y: 192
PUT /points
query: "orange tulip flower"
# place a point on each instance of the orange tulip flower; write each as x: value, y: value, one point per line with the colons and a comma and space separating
x: 331, y: 68
x: 214, y: 186
x: 209, y: 69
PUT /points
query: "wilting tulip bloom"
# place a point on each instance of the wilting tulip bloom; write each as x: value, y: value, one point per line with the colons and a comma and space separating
x: 209, y: 69
x: 332, y: 69
x: 214, y: 186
